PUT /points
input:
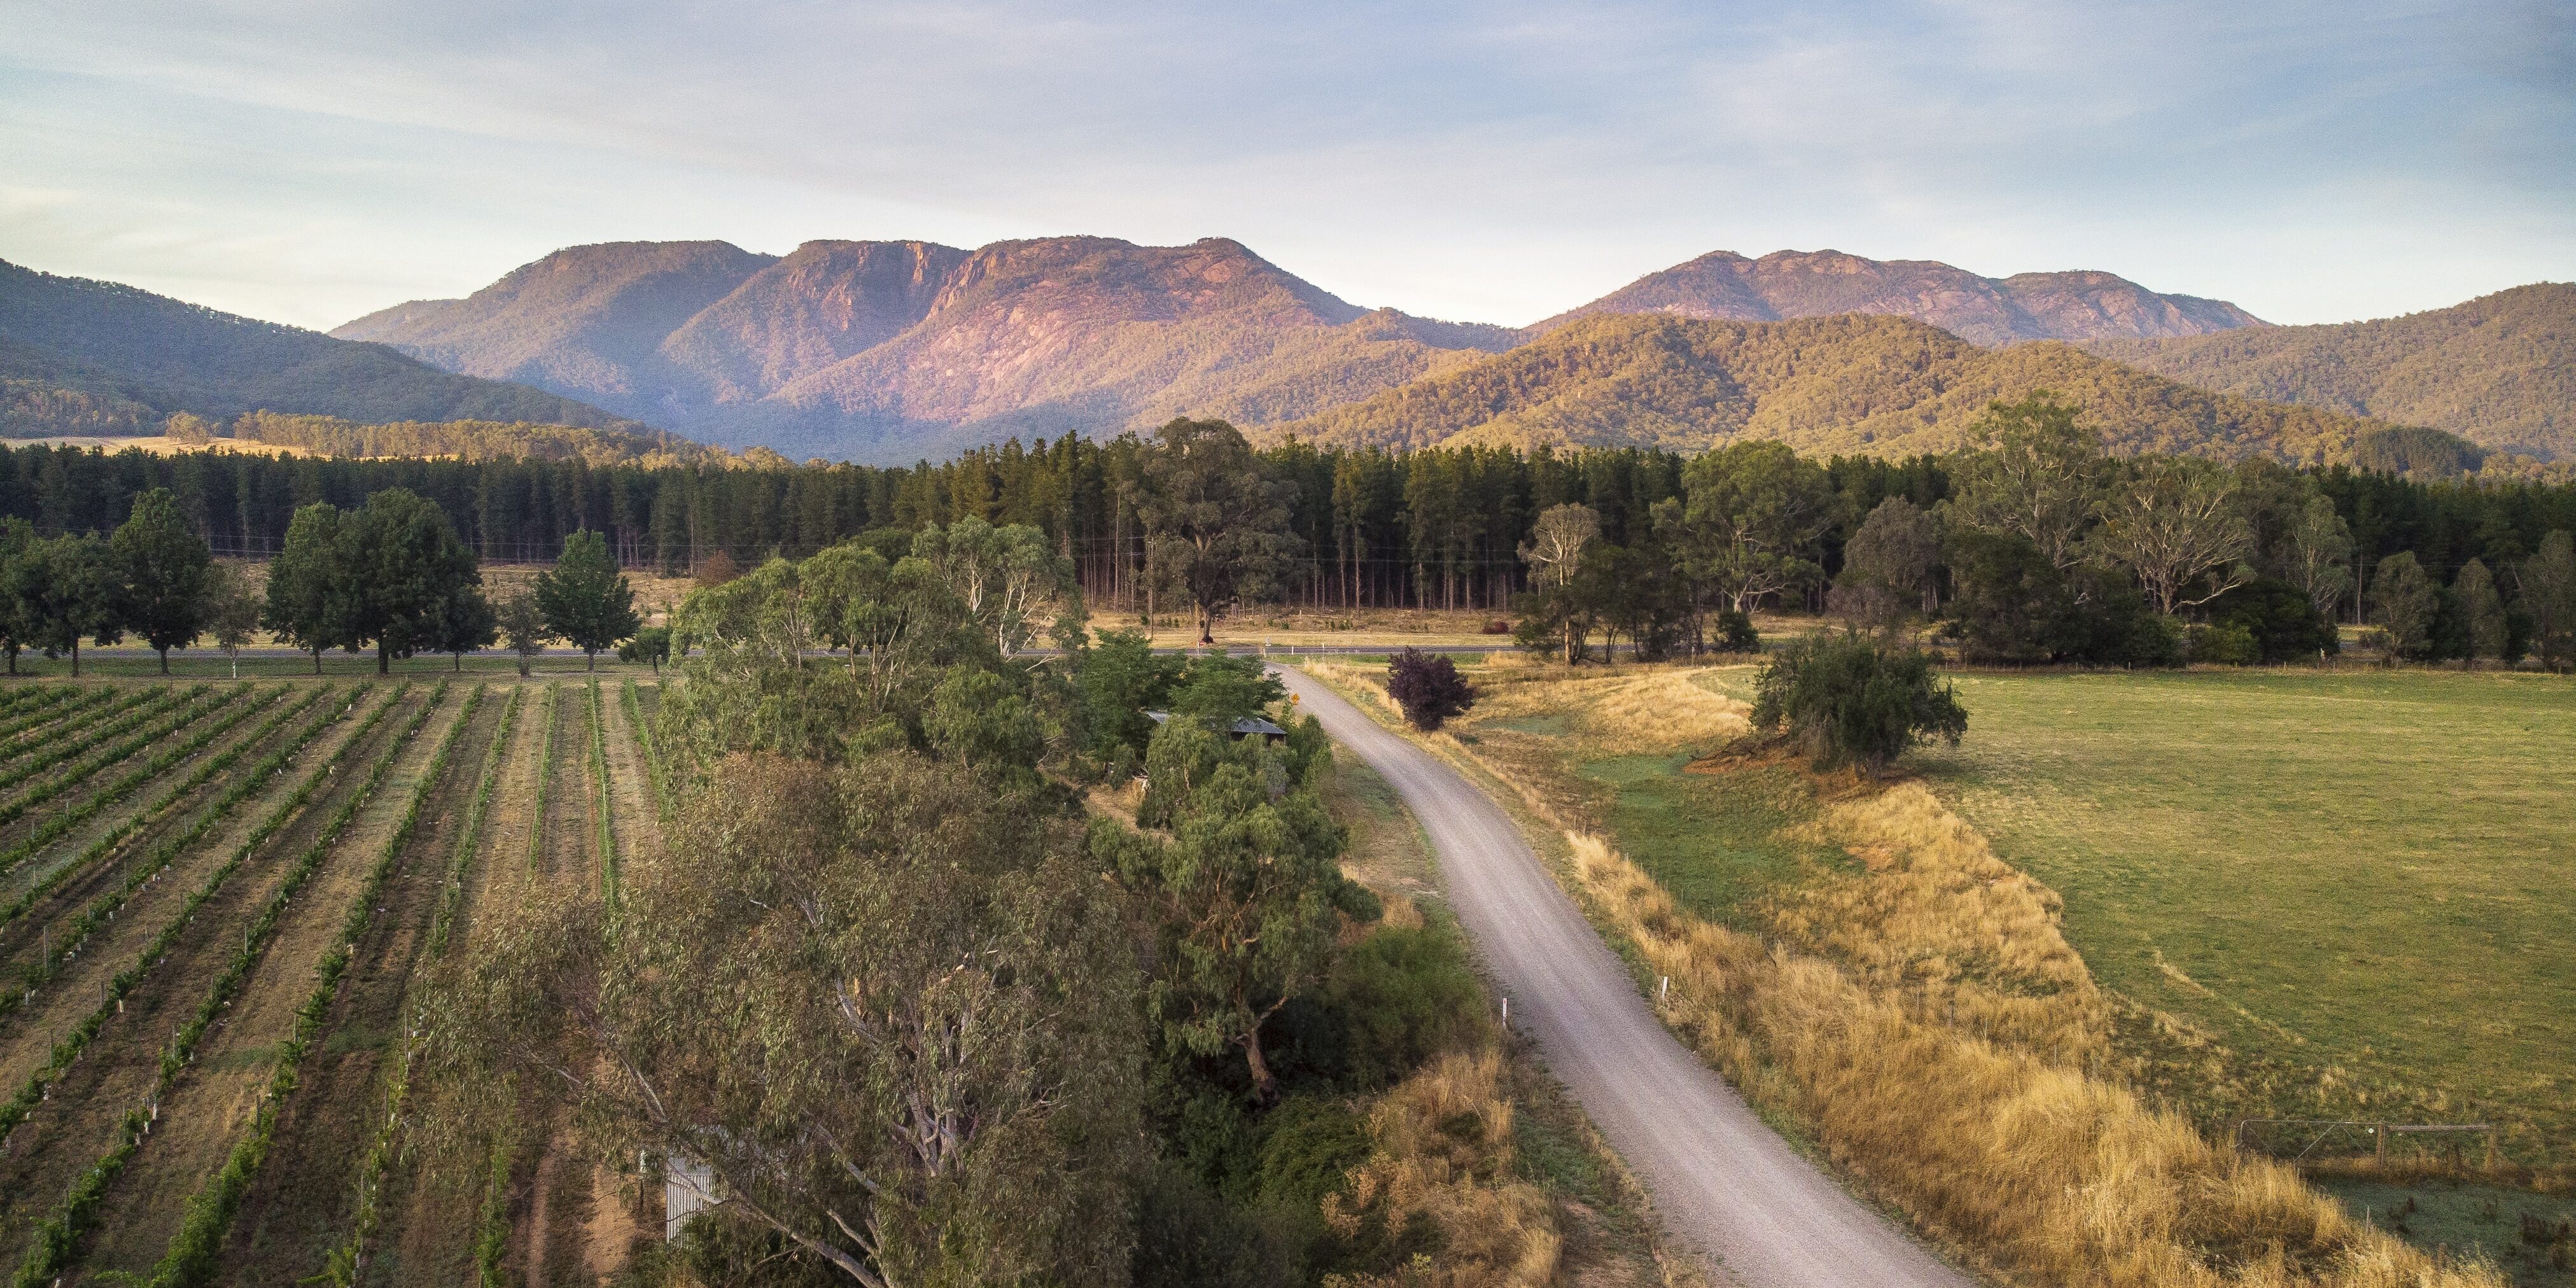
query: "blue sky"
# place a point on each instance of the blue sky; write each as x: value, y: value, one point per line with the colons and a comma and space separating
x: 309, y: 162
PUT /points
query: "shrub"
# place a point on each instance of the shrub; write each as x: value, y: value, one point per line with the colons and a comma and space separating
x: 1735, y: 633
x: 1400, y: 997
x: 1428, y: 687
x: 2226, y: 643
x: 1846, y: 700
x: 2279, y: 620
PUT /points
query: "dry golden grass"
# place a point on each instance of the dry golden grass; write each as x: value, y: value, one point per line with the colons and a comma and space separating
x: 2052, y: 1174
x: 1940, y: 922
x: 1444, y: 1152
x: 1925, y: 1016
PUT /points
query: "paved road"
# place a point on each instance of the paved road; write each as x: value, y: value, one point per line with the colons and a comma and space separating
x: 1719, y: 1177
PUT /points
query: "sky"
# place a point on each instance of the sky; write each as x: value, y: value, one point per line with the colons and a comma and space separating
x: 1496, y: 161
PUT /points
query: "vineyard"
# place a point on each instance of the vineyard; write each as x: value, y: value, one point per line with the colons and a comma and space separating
x: 218, y: 902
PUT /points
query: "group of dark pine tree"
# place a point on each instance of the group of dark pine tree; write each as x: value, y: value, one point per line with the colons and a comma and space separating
x: 2032, y: 547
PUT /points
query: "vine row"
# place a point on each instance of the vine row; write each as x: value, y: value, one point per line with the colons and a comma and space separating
x: 100, y: 801
x: 104, y: 908
x: 62, y: 1228
x: 194, y: 1251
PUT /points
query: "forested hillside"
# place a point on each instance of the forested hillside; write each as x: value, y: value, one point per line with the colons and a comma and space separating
x: 85, y: 357
x: 45, y: 393
x: 1883, y: 386
x: 2499, y: 370
x: 469, y: 440
x: 1984, y: 310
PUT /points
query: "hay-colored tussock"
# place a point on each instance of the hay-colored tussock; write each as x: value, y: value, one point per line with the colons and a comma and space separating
x: 2056, y: 1175
x: 1444, y: 1151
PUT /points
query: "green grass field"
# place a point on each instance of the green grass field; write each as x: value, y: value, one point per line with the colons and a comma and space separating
x: 2361, y: 886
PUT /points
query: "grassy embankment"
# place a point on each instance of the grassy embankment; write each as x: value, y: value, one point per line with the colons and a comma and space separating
x: 1854, y: 958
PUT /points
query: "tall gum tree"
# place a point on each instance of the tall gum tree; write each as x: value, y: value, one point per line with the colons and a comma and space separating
x: 162, y: 569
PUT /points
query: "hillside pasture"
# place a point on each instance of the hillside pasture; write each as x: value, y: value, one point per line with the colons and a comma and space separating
x: 2323, y: 894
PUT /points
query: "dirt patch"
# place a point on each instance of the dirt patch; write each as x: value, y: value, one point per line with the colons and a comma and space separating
x: 638, y: 823
x: 572, y: 804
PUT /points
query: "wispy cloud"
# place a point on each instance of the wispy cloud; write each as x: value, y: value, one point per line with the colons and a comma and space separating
x: 310, y: 161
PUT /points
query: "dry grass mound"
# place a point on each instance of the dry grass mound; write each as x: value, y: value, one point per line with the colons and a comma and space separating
x: 1444, y: 1152
x: 2055, y: 1175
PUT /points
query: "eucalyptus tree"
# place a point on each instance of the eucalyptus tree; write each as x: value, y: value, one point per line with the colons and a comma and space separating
x: 2403, y: 602
x: 2547, y: 586
x: 1213, y: 517
x: 161, y: 569
x: 2320, y: 554
x: 1889, y: 566
x: 890, y: 1011
x: 232, y: 611
x: 2481, y: 609
x: 2035, y: 471
x: 1751, y: 521
x: 586, y: 598
x: 2173, y: 520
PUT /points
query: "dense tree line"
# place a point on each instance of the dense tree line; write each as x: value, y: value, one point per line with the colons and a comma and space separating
x: 390, y: 574
x: 1360, y: 528
x: 2034, y: 546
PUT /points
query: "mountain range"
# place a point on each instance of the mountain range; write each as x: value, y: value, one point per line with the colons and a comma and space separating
x: 892, y: 351
x: 898, y: 350
x: 1980, y: 310
x: 87, y: 357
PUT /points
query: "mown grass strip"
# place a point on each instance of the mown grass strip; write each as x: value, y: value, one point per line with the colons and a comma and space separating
x: 156, y: 724
x: 75, y: 714
x: 607, y: 806
x: 103, y: 909
x: 120, y: 719
x: 545, y: 782
x: 50, y: 1253
x: 193, y: 1252
x: 99, y: 801
x: 17, y: 1108
x: 642, y: 731
x: 451, y: 894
